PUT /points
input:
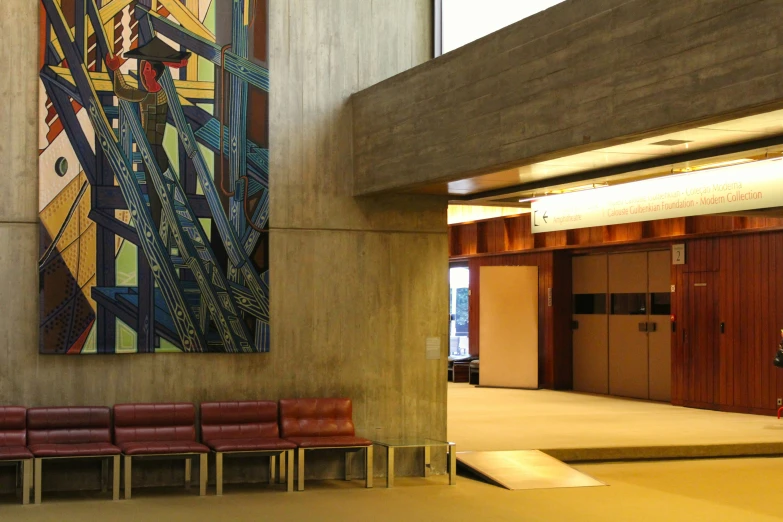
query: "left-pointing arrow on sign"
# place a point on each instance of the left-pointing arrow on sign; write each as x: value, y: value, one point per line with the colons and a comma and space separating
x: 544, y: 216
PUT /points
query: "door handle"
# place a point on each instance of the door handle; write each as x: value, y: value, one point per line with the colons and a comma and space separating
x: 575, y: 325
x: 642, y: 327
x: 652, y: 327
x: 722, y: 327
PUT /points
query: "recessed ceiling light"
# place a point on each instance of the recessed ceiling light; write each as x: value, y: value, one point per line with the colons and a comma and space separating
x: 671, y: 143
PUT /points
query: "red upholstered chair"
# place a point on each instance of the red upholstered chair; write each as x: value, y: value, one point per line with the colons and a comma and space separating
x: 13, y: 445
x: 157, y: 430
x: 72, y: 432
x: 242, y: 428
x: 315, y: 424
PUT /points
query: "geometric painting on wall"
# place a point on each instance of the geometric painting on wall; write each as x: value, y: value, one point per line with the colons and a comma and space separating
x: 154, y: 176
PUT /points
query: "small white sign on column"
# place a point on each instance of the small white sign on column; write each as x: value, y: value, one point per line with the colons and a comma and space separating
x: 433, y: 348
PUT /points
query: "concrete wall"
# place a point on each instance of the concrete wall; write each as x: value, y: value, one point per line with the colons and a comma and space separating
x: 357, y: 285
x: 582, y: 75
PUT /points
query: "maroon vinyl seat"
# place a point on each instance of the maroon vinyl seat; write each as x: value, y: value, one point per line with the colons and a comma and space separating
x: 163, y: 429
x: 246, y: 427
x: 248, y: 445
x: 329, y: 442
x: 71, y: 432
x: 163, y: 448
x: 316, y: 424
x: 90, y: 449
x: 15, y: 453
x: 13, y: 444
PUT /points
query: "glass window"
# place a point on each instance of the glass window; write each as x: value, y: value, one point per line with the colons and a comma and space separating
x: 629, y: 304
x: 589, y: 303
x: 463, y: 21
x: 459, y: 278
x: 660, y: 303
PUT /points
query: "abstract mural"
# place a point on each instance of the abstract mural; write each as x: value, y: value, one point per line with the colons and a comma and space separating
x: 154, y: 176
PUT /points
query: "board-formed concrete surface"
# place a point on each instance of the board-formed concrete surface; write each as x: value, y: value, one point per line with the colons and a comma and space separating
x: 577, y: 77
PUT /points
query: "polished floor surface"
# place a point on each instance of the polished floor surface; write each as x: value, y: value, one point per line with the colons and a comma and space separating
x: 525, y: 469
x: 735, y: 490
x: 485, y: 419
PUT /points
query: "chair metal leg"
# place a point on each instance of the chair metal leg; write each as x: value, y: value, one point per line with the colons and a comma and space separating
x: 300, y: 461
x: 128, y: 473
x: 281, y: 477
x: 188, y: 472
x: 272, y: 469
x: 27, y: 475
x: 104, y: 474
x: 348, y: 464
x: 37, y: 480
x: 452, y: 464
x: 368, y: 466
x: 389, y: 466
x: 115, y: 482
x: 219, y: 473
x: 289, y: 476
x: 203, y: 474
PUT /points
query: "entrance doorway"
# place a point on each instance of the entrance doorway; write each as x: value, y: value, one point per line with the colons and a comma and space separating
x: 459, y: 278
x: 621, y: 338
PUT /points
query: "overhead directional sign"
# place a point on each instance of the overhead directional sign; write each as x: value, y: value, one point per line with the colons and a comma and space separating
x: 728, y: 189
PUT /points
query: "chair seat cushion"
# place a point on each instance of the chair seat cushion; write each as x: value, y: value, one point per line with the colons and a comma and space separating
x: 329, y: 442
x: 14, y: 453
x: 88, y: 449
x: 162, y: 447
x: 257, y: 444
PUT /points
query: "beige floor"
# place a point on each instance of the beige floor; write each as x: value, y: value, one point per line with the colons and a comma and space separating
x: 735, y: 490
x: 505, y: 419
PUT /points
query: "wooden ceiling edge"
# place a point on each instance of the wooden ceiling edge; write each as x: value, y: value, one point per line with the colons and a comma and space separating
x: 583, y: 249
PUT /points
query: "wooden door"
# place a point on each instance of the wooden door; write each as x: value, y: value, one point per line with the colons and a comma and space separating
x: 508, y: 326
x: 590, y: 326
x: 699, y: 337
x: 628, y: 348
x: 659, y: 336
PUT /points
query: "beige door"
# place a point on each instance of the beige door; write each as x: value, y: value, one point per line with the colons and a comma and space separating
x: 659, y: 335
x: 508, y: 326
x: 628, y: 351
x: 590, y: 327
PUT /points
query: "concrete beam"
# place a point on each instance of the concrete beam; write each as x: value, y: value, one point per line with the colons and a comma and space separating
x: 577, y: 77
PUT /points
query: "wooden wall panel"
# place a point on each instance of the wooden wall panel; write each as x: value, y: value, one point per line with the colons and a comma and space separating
x: 750, y: 304
x: 512, y: 234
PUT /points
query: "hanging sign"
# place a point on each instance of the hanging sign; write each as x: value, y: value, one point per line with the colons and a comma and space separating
x: 714, y: 191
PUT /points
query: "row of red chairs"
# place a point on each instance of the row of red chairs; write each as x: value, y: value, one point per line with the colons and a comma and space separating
x: 268, y: 428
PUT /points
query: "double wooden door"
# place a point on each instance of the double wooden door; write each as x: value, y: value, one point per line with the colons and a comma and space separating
x: 622, y: 336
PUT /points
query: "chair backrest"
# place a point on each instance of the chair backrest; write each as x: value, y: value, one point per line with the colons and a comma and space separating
x: 158, y: 422
x: 13, y: 426
x: 68, y: 425
x: 316, y: 418
x: 238, y: 420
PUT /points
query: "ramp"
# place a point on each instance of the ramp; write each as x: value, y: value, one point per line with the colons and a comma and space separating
x: 527, y: 469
